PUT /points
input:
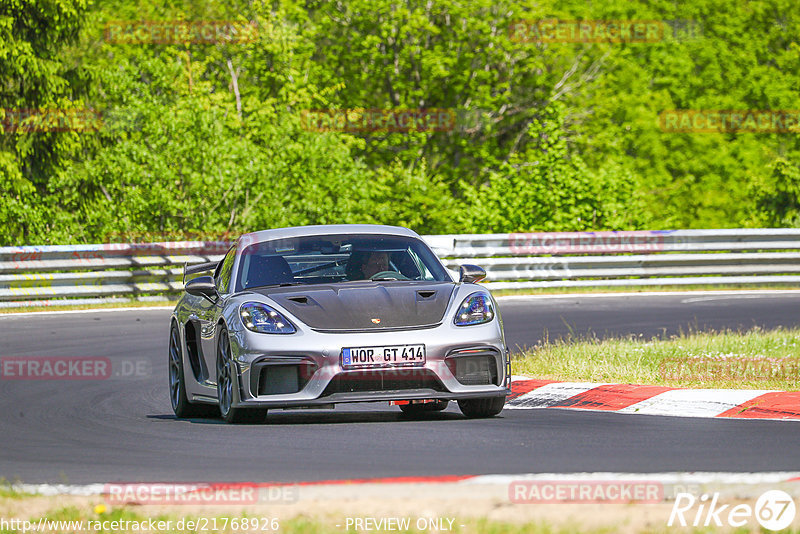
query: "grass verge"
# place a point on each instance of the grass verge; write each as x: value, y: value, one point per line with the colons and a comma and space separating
x: 8, y: 492
x: 755, y: 359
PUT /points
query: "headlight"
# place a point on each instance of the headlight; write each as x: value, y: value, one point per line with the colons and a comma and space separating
x: 263, y: 319
x: 476, y: 309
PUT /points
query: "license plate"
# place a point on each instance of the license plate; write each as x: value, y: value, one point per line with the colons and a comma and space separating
x: 383, y: 356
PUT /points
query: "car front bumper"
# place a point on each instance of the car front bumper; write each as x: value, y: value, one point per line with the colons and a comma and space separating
x: 305, y: 368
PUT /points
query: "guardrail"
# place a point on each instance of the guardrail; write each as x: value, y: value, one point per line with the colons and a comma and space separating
x: 46, y: 275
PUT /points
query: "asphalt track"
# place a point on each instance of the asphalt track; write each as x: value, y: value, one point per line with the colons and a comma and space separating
x: 122, y: 429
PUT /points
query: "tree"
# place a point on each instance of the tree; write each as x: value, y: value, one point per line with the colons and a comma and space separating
x: 549, y: 187
x: 778, y: 199
x: 36, y: 79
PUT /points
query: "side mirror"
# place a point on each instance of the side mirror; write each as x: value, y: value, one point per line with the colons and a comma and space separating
x: 202, y: 286
x: 469, y: 274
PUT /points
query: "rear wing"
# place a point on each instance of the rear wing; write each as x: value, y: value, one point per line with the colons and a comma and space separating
x: 198, y: 268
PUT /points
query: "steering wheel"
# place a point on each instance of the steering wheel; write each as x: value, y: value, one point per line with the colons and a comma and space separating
x: 394, y: 275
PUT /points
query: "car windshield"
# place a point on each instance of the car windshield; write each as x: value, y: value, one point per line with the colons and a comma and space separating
x: 337, y: 259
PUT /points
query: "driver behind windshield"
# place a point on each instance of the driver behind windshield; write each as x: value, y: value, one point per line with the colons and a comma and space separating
x: 363, y: 265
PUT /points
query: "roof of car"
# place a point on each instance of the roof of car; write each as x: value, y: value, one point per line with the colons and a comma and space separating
x: 324, y: 229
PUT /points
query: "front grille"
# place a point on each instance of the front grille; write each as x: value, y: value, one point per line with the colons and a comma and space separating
x: 383, y: 380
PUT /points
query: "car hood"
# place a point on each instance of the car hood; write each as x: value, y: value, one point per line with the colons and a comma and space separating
x: 365, y: 305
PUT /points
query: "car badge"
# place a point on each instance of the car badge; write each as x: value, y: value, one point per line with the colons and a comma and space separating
x: 376, y: 320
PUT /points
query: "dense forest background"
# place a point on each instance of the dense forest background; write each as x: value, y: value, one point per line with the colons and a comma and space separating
x: 207, y: 138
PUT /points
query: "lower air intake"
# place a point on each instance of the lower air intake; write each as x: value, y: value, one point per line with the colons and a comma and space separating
x: 383, y: 380
x: 479, y: 370
x: 281, y: 379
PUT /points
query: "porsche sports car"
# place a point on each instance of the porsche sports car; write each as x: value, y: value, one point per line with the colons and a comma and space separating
x: 312, y: 316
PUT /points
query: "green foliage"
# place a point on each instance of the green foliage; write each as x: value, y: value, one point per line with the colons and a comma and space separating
x: 778, y: 200
x: 411, y: 197
x: 548, y: 188
x: 181, y: 163
x: 207, y: 138
x: 34, y: 76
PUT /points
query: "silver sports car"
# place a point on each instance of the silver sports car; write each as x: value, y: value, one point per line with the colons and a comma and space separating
x: 312, y: 316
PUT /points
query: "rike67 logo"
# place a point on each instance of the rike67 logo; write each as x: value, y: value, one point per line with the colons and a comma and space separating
x: 774, y: 510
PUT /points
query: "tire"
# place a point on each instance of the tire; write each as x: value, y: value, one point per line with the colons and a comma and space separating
x: 227, y: 380
x: 488, y: 407
x: 428, y: 407
x: 177, y: 382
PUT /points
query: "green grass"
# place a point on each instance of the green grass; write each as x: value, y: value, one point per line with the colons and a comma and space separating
x: 8, y: 492
x: 755, y: 359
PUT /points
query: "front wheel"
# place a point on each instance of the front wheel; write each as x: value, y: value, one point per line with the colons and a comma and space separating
x: 488, y: 407
x: 227, y: 379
